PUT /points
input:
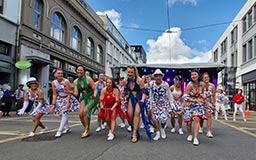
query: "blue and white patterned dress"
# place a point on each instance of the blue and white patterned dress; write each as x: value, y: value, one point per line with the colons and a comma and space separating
x: 61, y: 100
x: 177, y: 101
x: 193, y: 109
x: 208, y: 94
x: 160, y: 101
x: 45, y: 108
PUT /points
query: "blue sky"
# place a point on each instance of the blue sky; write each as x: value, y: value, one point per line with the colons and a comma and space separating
x: 184, y: 44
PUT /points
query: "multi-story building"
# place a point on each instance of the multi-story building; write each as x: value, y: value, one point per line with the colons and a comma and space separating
x: 118, y: 51
x: 9, y: 22
x: 236, y: 48
x: 60, y: 34
x: 141, y: 57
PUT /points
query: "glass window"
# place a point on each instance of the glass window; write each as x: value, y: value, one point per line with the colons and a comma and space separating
x: 37, y: 13
x: 1, y: 6
x: 90, y: 48
x: 244, y: 53
x: 244, y: 24
x: 57, y: 27
x: 70, y: 67
x: 5, y: 65
x: 249, y: 19
x: 99, y: 54
x: 75, y: 39
x: 250, y: 49
x: 57, y: 63
x: 215, y: 54
x: 4, y: 48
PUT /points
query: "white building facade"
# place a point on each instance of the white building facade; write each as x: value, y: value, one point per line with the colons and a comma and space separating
x: 9, y: 22
x: 236, y: 48
x: 118, y: 51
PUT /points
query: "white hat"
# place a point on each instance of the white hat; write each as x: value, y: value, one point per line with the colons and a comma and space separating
x: 158, y: 72
x: 32, y: 80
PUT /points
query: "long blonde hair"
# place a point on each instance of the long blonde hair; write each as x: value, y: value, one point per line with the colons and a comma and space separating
x: 136, y: 72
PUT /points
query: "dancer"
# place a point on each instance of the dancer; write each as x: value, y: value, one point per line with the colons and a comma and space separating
x: 148, y: 107
x: 41, y: 105
x: 177, y: 93
x: 221, y: 98
x: 134, y: 88
x: 84, y: 84
x: 161, y: 102
x: 194, y: 104
x: 209, y: 92
x: 238, y: 103
x: 100, y: 84
x: 62, y: 101
x: 109, y: 100
x: 123, y: 102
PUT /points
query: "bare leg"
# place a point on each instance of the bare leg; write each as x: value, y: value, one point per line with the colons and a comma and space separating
x: 82, y: 113
x: 180, y: 119
x: 196, y: 126
x: 36, y: 120
x: 173, y: 119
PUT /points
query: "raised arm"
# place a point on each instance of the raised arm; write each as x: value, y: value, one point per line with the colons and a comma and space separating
x: 54, y: 94
x: 75, y: 92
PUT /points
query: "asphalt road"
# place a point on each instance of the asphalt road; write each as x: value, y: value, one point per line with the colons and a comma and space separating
x: 229, y: 143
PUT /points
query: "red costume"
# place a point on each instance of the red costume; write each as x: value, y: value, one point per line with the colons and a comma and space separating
x: 238, y: 98
x: 108, y: 101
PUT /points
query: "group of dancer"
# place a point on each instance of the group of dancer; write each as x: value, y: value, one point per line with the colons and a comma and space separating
x: 135, y: 99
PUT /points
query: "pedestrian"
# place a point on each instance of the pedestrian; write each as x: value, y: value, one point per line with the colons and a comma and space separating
x: 194, y: 105
x: 62, y: 101
x: 177, y: 93
x: 85, y: 85
x: 134, y: 88
x: 161, y: 102
x: 109, y: 101
x: 7, y: 99
x: 221, y: 98
x: 209, y: 92
x: 41, y: 105
x: 19, y: 95
x: 100, y: 84
x: 239, y: 104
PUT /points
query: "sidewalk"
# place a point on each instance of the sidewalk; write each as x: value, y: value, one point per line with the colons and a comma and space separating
x: 248, y: 127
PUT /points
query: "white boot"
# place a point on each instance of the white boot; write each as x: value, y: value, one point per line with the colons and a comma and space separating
x: 162, y: 131
x: 157, y: 137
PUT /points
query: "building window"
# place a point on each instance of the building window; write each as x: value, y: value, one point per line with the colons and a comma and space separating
x: 234, y: 35
x: 57, y: 63
x: 224, y: 47
x: 4, y: 48
x: 90, y: 47
x: 5, y: 65
x: 1, y: 6
x: 254, y: 46
x: 244, y: 53
x: 57, y: 27
x: 244, y: 24
x: 215, y: 55
x: 38, y: 13
x: 249, y: 18
x: 250, y: 49
x: 75, y: 39
x: 70, y: 67
x: 99, y: 54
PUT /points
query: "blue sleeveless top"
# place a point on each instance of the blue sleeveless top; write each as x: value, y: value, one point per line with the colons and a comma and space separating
x: 136, y: 87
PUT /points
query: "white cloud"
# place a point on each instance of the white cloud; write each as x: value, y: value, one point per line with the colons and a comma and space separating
x: 113, y: 15
x: 192, y: 2
x: 171, y: 45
